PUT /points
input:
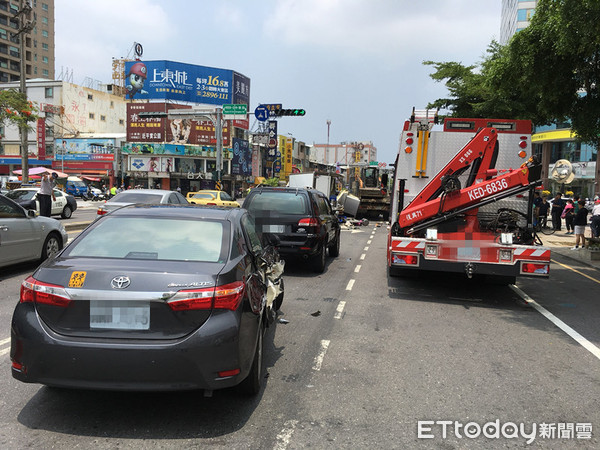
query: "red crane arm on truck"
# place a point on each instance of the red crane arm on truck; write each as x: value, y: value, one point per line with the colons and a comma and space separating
x: 442, y: 195
x: 481, y: 147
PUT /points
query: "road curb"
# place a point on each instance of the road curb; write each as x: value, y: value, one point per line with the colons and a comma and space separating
x: 76, y: 225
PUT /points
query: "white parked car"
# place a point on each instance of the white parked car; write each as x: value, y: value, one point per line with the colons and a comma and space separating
x: 64, y: 205
x: 25, y: 236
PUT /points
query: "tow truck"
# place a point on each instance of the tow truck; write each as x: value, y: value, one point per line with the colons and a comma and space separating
x: 468, y: 216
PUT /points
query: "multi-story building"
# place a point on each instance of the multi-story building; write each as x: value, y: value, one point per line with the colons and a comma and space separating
x: 516, y: 15
x: 77, y: 132
x: 39, y: 41
x: 556, y: 141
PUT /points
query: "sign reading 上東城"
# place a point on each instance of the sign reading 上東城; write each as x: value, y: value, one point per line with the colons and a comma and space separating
x: 169, y: 80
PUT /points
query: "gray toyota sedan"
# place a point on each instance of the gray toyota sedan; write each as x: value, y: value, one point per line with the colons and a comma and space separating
x: 151, y: 297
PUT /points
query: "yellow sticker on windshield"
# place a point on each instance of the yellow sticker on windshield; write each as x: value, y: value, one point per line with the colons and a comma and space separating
x: 77, y: 279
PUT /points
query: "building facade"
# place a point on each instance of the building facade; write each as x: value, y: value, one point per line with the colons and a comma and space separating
x: 39, y: 42
x: 70, y: 118
x: 515, y: 15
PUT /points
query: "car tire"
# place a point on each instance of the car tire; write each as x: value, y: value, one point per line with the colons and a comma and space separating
x: 253, y: 382
x: 67, y: 212
x: 334, y: 249
x: 52, y: 245
x: 319, y: 260
x: 279, y: 299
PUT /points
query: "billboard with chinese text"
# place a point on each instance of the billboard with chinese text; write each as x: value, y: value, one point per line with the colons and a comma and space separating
x: 84, y: 149
x: 177, y: 131
x: 169, y: 80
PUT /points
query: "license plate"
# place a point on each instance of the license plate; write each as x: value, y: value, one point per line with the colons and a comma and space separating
x: 273, y: 228
x: 125, y: 315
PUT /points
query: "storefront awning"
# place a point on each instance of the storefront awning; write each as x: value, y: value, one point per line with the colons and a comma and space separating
x: 86, y: 177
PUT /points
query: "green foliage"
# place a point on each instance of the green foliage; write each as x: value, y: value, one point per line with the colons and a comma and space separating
x: 550, y: 71
x: 16, y: 109
x: 271, y: 182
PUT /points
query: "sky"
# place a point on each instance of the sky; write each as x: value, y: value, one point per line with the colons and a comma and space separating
x: 356, y: 63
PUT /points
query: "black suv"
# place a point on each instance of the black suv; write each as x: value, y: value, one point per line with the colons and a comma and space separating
x: 302, y: 220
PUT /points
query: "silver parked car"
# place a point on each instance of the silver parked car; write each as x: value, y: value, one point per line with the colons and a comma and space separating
x: 144, y: 197
x: 25, y: 236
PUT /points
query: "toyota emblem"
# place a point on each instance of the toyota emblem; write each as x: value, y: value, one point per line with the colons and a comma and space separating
x: 120, y: 282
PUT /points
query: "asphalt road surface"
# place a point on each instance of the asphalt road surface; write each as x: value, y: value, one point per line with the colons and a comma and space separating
x: 363, y: 362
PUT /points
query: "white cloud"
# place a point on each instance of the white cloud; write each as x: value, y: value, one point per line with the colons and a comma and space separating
x: 92, y: 32
x: 380, y: 28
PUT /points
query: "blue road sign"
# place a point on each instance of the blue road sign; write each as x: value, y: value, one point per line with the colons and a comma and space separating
x: 261, y: 113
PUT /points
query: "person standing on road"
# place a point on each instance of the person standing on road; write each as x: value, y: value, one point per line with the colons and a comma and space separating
x: 557, y: 208
x: 580, y: 223
x: 46, y: 195
x: 595, y: 226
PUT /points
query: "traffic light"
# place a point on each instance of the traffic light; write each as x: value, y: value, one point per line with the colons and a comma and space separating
x: 287, y: 112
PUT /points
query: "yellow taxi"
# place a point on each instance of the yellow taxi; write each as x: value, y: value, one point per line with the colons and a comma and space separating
x: 212, y: 198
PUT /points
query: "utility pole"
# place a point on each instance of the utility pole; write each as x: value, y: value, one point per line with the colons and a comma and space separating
x: 25, y: 27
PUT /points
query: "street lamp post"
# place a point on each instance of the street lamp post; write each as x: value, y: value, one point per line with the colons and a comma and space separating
x: 328, y: 125
x: 25, y: 26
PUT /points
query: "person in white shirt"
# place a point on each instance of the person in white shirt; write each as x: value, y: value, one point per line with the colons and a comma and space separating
x: 595, y: 225
x: 46, y: 193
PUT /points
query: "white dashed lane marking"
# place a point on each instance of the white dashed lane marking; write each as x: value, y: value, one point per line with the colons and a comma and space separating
x: 319, y: 359
x: 339, y: 310
x: 363, y: 256
x: 357, y: 268
x: 349, y: 285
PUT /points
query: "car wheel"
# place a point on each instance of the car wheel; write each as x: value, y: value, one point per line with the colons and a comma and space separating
x: 279, y: 299
x: 52, y: 245
x: 253, y: 382
x: 319, y: 261
x: 334, y: 249
x: 67, y: 212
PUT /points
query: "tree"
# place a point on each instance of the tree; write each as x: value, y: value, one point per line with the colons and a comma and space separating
x: 550, y: 71
x: 16, y: 109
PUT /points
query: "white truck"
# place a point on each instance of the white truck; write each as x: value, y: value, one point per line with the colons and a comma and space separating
x: 462, y: 200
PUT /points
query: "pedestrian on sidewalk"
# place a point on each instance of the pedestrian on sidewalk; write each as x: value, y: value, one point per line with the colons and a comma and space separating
x: 569, y: 215
x: 595, y: 226
x: 558, y: 205
x: 580, y: 223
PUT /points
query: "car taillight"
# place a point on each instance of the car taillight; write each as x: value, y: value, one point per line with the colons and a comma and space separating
x: 308, y: 222
x: 405, y: 259
x: 101, y: 212
x: 35, y: 291
x: 211, y: 204
x: 227, y: 296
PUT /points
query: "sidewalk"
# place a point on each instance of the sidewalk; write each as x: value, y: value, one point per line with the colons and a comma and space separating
x: 561, y: 243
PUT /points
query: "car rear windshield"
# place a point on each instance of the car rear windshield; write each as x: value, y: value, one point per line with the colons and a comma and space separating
x: 282, y: 202
x: 21, y: 194
x: 204, y: 195
x: 137, y: 197
x: 154, y: 238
